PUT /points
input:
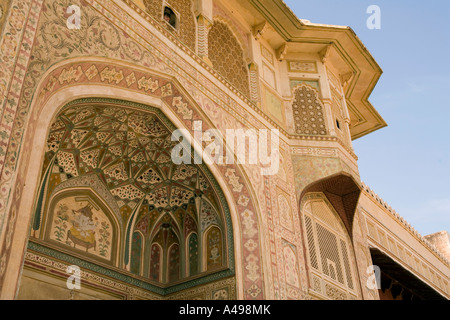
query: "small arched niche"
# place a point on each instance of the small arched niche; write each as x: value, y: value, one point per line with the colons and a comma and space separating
x: 170, y: 17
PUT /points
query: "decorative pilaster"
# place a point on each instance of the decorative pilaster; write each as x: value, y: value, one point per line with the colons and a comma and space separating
x: 254, y: 83
x: 204, y: 25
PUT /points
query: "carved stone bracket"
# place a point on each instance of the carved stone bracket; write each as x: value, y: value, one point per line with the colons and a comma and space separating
x: 325, y: 53
x: 259, y: 30
x: 282, y: 51
x: 346, y: 78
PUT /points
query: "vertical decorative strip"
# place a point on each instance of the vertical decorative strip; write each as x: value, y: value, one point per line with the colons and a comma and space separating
x: 254, y: 83
x: 271, y: 226
x: 15, y: 52
x: 13, y: 61
x: 204, y: 25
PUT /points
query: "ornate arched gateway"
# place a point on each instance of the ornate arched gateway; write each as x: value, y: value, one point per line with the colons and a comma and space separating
x: 110, y: 193
x: 146, y: 223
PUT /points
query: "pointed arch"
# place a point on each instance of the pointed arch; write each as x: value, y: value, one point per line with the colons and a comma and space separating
x: 51, y: 97
x: 156, y: 262
x: 192, y: 259
x: 213, y: 248
x: 173, y: 263
x: 343, y: 192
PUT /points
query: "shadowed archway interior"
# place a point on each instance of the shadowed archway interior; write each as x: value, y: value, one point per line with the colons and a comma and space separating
x: 110, y: 194
x: 343, y: 192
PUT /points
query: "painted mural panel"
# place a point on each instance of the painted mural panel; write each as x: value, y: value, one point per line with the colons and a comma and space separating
x: 155, y: 263
x: 302, y: 66
x: 193, y: 254
x: 80, y: 224
x: 208, y: 215
x: 213, y: 249
x: 285, y: 212
x: 174, y: 263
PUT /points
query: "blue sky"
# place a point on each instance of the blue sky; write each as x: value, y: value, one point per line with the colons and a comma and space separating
x: 407, y: 163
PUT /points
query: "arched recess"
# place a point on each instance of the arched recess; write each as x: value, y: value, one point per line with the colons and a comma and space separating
x: 332, y: 269
x: 343, y: 192
x: 134, y: 84
x: 128, y: 149
x: 327, y: 210
x: 192, y: 261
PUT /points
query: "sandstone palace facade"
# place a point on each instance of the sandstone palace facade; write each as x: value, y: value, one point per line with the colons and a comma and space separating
x: 91, y: 92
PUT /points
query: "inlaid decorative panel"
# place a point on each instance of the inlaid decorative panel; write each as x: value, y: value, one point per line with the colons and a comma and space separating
x: 291, y: 265
x: 269, y: 76
x: 313, y: 83
x: 267, y: 54
x: 302, y: 66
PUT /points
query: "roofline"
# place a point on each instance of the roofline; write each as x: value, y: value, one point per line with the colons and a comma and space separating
x: 274, y: 11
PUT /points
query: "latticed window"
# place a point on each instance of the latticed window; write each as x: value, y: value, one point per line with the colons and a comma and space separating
x: 178, y: 16
x: 332, y: 267
x: 308, y: 111
x: 227, y: 57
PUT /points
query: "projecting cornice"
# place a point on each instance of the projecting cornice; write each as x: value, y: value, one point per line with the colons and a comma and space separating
x: 339, y: 46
